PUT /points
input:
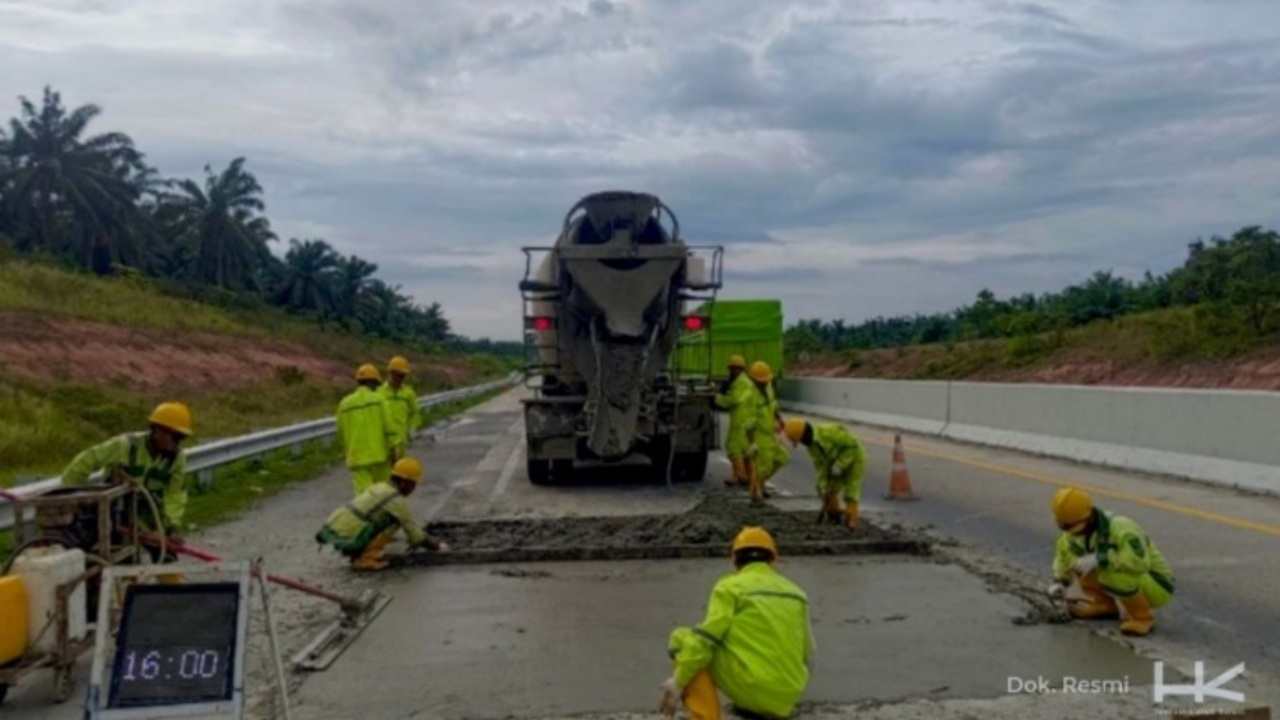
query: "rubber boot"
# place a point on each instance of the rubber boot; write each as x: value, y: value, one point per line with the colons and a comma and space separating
x: 372, y: 557
x: 739, y: 472
x: 1097, y: 604
x: 851, y: 515
x: 701, y: 698
x: 831, y: 509
x: 1138, y: 619
x: 755, y: 486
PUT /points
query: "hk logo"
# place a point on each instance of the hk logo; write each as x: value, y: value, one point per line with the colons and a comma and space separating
x: 1200, y: 690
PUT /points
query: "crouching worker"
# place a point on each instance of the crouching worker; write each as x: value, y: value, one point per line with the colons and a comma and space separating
x: 754, y: 644
x: 1113, y: 568
x: 363, y: 528
x: 839, y: 462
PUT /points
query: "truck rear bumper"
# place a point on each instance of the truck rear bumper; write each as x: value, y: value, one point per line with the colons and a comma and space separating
x: 552, y: 432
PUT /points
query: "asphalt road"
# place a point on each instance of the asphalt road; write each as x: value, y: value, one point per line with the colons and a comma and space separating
x: 1224, y: 545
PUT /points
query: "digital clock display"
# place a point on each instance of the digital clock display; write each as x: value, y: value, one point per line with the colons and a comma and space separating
x: 176, y: 645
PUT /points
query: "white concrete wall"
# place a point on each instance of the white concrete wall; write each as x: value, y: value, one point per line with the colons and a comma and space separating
x: 915, y: 406
x: 1223, y: 436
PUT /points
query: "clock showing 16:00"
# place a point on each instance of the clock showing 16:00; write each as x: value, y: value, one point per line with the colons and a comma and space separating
x: 175, y: 664
x: 176, y: 645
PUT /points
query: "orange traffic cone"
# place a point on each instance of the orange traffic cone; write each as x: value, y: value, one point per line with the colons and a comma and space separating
x: 899, y: 479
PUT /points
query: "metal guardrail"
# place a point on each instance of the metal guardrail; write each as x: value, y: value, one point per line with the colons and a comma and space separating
x: 203, y: 459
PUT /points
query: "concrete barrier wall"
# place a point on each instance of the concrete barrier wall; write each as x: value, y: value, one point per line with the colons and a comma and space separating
x: 1222, y: 436
x: 915, y: 406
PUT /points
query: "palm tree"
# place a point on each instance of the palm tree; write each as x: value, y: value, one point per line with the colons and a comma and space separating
x: 220, y: 221
x: 430, y: 323
x: 382, y: 310
x: 352, y: 280
x: 310, y: 272
x: 68, y: 194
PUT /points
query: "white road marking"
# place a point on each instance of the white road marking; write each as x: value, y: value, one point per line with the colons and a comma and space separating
x: 508, y: 470
x: 492, y: 461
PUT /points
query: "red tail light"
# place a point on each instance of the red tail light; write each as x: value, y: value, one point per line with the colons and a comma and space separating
x: 542, y: 323
x: 694, y: 323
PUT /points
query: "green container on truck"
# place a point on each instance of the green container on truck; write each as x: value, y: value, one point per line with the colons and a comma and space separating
x: 751, y: 328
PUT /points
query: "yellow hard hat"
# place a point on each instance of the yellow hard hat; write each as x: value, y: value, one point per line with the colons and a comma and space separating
x: 793, y: 428
x: 753, y: 536
x: 737, y: 361
x: 399, y: 364
x: 368, y: 372
x: 1071, y: 507
x: 172, y: 415
x: 760, y: 371
x: 409, y: 469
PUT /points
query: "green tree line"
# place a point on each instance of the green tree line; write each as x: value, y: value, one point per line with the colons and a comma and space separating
x: 93, y: 201
x: 1232, y: 283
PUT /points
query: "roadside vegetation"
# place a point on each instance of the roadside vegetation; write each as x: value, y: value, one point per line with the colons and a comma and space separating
x: 170, y: 348
x: 1222, y: 305
x: 91, y: 201
x: 120, y: 288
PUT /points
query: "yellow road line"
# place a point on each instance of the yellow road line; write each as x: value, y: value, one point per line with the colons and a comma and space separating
x: 1235, y: 522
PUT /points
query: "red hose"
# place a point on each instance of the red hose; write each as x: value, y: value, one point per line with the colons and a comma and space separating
x: 182, y: 548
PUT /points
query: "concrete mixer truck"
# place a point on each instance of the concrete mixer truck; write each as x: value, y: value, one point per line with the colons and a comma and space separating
x: 604, y: 309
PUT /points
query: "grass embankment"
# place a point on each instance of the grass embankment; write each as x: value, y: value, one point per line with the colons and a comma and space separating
x: 41, y: 429
x: 1202, y: 347
x: 86, y: 358
x: 238, y: 486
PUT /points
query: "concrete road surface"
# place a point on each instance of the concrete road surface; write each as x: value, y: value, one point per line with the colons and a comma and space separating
x: 1224, y: 545
x: 588, y: 639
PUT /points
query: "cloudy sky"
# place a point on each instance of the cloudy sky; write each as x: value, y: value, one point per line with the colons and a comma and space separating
x: 856, y: 158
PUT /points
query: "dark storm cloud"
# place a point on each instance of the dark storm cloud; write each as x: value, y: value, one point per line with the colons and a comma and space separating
x: 856, y: 158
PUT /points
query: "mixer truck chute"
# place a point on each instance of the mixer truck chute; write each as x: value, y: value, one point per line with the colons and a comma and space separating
x: 603, y: 311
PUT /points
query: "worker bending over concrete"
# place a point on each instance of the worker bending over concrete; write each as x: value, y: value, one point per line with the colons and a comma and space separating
x: 1113, y: 568
x: 402, y: 406
x: 151, y: 458
x: 755, y: 643
x: 364, y: 527
x: 740, y: 399
x: 366, y: 431
x: 839, y: 462
x: 770, y: 454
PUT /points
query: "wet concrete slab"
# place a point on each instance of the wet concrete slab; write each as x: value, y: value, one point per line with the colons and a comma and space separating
x: 564, y: 638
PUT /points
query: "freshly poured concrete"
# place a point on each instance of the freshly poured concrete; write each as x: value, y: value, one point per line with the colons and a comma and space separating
x: 492, y: 641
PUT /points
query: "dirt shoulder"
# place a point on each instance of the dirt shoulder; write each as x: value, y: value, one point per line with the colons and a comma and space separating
x: 1003, y: 361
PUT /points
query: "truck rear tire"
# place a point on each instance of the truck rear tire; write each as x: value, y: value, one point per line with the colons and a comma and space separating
x: 539, y: 471
x: 550, y: 472
x: 685, y: 466
x: 690, y: 467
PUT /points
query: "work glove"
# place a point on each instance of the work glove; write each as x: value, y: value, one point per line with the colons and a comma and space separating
x: 669, y: 704
x: 837, y: 469
x: 1085, y: 564
x: 1056, y: 589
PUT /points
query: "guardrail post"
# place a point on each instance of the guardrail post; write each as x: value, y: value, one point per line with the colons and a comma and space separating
x: 204, y: 478
x: 296, y: 449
